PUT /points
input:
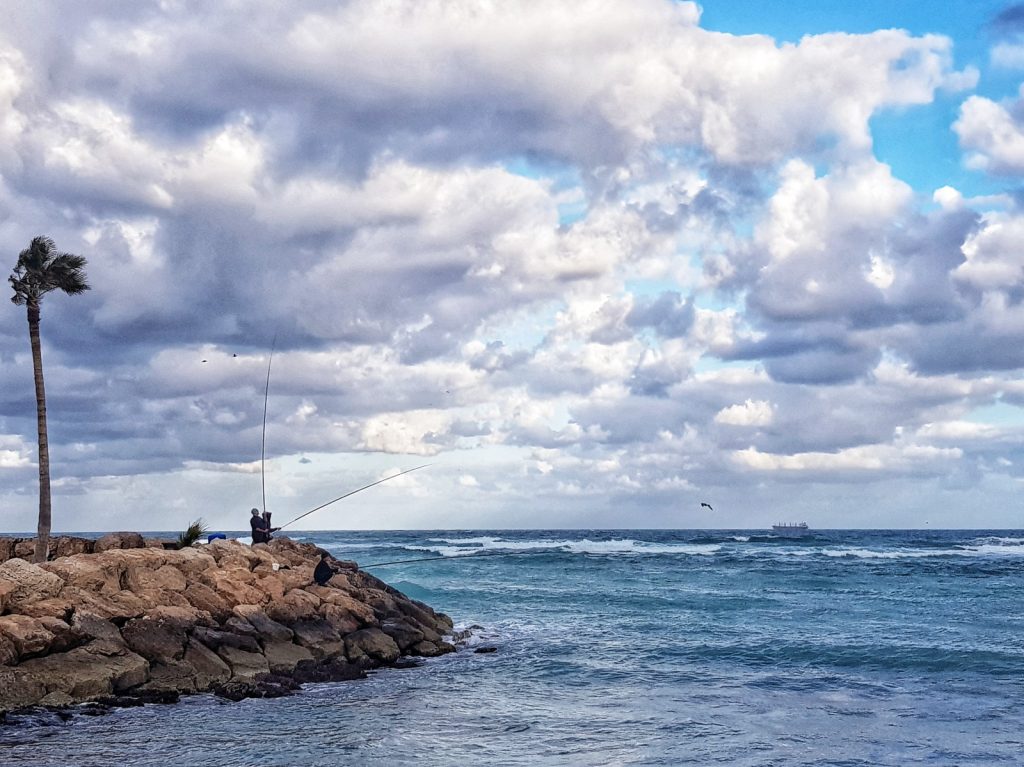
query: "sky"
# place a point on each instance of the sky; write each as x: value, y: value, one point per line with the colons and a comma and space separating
x: 594, y: 261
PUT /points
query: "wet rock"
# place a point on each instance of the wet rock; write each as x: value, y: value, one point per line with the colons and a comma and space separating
x: 371, y: 643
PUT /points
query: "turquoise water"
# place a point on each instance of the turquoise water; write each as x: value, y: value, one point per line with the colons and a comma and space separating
x: 641, y: 648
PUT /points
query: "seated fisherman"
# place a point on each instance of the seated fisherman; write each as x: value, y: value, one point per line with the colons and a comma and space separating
x: 324, y: 570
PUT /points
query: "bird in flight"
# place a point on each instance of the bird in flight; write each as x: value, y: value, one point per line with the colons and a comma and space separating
x: 706, y: 506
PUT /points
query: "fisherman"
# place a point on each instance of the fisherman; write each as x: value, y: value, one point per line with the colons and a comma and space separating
x: 259, y: 527
x: 324, y: 570
x: 267, y: 529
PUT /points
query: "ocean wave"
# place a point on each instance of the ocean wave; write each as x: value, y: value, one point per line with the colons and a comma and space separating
x: 621, y: 546
x: 964, y: 551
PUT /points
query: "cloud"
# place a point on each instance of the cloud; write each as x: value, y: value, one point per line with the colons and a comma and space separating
x: 992, y: 134
x: 601, y: 247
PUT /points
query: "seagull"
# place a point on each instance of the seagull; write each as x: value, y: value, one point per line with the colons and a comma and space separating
x: 706, y: 506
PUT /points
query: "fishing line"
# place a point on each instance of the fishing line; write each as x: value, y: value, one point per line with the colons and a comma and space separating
x: 263, y: 445
x: 353, y: 492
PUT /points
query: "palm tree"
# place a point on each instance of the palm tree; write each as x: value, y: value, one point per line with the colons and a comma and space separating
x: 40, y: 269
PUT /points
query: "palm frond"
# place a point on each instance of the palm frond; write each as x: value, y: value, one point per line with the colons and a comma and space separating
x: 192, y: 533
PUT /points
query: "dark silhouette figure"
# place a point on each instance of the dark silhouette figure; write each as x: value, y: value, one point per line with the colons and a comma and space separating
x: 706, y: 506
x: 324, y: 570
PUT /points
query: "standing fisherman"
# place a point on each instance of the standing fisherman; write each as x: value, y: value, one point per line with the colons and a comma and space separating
x: 259, y: 527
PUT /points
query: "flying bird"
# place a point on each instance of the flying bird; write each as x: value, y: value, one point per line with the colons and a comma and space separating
x: 706, y: 506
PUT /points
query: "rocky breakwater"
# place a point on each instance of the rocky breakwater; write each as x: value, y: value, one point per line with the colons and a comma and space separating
x: 138, y: 624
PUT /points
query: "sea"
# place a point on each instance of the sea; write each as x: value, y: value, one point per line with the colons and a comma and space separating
x: 638, y: 647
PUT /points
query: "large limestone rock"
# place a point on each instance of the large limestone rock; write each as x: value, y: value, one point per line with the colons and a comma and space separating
x: 31, y: 582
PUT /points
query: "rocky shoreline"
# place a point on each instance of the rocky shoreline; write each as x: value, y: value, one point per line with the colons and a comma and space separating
x: 123, y: 621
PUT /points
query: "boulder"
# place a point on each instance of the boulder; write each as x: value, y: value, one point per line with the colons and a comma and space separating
x: 357, y: 609
x: 6, y: 589
x: 28, y: 635
x: 31, y: 582
x: 244, y: 665
x: 264, y: 624
x: 216, y: 639
x: 93, y: 626
x: 404, y: 633
x: 209, y: 668
x: 428, y: 649
x: 319, y: 637
x: 8, y: 652
x: 202, y: 597
x: 156, y: 639
x: 171, y: 676
x: 19, y: 689
x: 88, y: 672
x: 163, y: 577
x: 341, y: 619
x: 371, y: 643
x: 7, y: 546
x: 56, y: 607
x: 284, y: 657
x: 88, y: 573
x: 235, y: 585
x: 122, y: 540
x: 296, y: 605
x: 67, y: 546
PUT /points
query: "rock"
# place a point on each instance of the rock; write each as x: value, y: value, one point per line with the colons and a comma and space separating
x: 404, y: 633
x: 155, y: 639
x: 485, y: 650
x: 6, y: 589
x: 88, y: 573
x: 95, y: 627
x: 244, y: 665
x: 319, y: 637
x: 284, y: 657
x: 209, y: 668
x: 204, y: 598
x: 428, y: 649
x: 88, y: 672
x: 264, y: 624
x: 371, y: 643
x: 215, y: 640
x: 67, y: 546
x: 28, y: 635
x: 57, y: 607
x: 123, y: 540
x: 8, y: 652
x: 235, y: 585
x: 171, y: 676
x: 241, y: 626
x: 296, y: 605
x: 31, y: 582
x: 20, y: 689
x: 7, y: 546
x: 341, y: 619
x: 26, y: 549
x: 164, y: 577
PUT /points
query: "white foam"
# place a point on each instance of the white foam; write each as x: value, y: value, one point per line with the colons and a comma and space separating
x: 246, y: 539
x: 467, y: 546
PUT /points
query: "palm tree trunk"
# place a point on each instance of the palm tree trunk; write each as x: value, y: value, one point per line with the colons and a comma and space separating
x: 43, y: 530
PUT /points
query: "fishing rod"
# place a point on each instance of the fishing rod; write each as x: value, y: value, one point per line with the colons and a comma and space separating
x: 263, y: 445
x: 353, y: 492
